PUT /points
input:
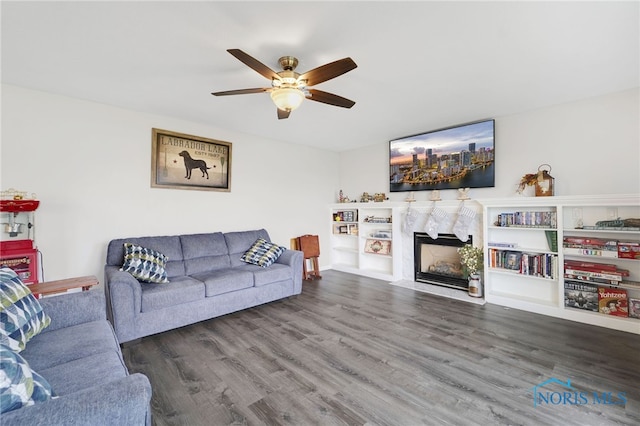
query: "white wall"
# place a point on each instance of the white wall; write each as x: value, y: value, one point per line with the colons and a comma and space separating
x: 593, y: 147
x: 89, y: 165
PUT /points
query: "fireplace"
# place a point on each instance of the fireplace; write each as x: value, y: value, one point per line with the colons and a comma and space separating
x: 436, y: 261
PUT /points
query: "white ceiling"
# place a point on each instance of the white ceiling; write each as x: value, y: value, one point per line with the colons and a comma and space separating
x: 421, y: 65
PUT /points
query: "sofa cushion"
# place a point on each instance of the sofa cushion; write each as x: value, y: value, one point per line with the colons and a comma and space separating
x: 204, y: 252
x: 272, y: 274
x: 225, y: 280
x: 239, y: 242
x: 21, y: 315
x: 145, y: 264
x: 19, y: 384
x: 179, y: 290
x: 170, y: 246
x: 83, y: 373
x: 70, y: 343
x: 262, y: 253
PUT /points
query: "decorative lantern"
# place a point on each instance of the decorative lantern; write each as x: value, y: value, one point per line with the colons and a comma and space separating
x: 544, y: 182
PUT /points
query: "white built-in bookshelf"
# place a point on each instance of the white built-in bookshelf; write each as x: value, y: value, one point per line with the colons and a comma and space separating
x: 525, y: 255
x: 366, y: 240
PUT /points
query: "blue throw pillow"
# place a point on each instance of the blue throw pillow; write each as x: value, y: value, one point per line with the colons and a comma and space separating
x: 21, y: 315
x: 262, y: 253
x: 145, y: 264
x: 19, y: 384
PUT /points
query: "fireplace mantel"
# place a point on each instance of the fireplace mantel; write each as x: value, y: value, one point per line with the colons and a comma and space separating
x: 424, y: 208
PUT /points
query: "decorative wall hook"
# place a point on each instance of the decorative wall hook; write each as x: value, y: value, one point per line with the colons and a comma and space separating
x: 463, y: 194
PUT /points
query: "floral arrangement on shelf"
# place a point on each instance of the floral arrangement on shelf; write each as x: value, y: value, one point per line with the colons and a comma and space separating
x: 527, y: 180
x: 471, y: 258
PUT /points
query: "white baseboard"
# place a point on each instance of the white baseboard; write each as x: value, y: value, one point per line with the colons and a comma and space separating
x: 440, y: 291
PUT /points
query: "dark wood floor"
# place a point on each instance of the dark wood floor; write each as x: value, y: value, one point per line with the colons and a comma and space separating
x: 353, y: 350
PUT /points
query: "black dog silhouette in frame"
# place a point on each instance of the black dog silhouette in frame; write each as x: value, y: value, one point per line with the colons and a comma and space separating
x: 192, y: 163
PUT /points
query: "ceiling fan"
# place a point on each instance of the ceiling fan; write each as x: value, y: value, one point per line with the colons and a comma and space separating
x: 288, y: 88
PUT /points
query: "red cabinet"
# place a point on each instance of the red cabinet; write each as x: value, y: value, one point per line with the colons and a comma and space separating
x: 22, y: 257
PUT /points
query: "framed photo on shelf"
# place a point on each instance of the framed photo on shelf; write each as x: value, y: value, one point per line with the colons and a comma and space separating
x: 181, y: 161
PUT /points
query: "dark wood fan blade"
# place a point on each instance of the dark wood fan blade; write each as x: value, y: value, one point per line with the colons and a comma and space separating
x: 282, y: 114
x: 330, y: 98
x: 254, y: 64
x: 240, y: 92
x: 328, y: 71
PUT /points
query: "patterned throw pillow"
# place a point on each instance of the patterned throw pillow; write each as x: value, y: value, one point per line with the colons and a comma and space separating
x: 145, y: 264
x: 21, y: 315
x: 19, y: 384
x: 262, y: 253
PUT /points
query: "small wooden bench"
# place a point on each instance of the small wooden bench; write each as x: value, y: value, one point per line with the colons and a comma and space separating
x: 60, y: 286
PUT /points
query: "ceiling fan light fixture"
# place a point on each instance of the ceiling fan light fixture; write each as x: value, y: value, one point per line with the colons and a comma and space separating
x: 287, y: 98
x: 288, y: 88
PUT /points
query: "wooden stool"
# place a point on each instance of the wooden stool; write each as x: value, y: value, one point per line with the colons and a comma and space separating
x: 310, y: 246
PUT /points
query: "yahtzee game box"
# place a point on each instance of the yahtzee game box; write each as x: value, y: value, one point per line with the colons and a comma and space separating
x: 613, y: 301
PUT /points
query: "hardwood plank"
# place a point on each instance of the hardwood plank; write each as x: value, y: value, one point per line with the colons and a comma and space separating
x: 354, y: 350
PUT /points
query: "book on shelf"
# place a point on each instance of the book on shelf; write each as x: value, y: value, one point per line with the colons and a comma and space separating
x: 632, y: 285
x: 605, y: 268
x: 501, y: 244
x: 529, y: 219
x: 536, y: 264
x: 581, y: 296
x: 634, y: 308
x: 613, y: 301
x: 595, y: 266
x: 552, y: 240
x: 589, y: 279
x: 591, y: 274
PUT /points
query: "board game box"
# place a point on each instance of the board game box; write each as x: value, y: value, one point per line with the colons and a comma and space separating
x: 634, y: 308
x: 581, y: 295
x: 613, y: 301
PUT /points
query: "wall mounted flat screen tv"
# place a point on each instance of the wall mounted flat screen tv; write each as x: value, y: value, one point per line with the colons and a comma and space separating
x: 461, y: 156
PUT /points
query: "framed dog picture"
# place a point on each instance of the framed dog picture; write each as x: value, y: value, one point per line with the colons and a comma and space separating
x: 180, y: 161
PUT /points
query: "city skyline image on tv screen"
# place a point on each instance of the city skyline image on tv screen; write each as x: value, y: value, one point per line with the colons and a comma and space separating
x: 461, y: 156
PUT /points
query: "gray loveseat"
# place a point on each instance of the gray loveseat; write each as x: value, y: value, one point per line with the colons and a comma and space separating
x: 206, y: 279
x: 79, y: 356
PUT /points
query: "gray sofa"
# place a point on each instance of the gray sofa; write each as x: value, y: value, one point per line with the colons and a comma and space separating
x: 78, y: 354
x: 206, y: 279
